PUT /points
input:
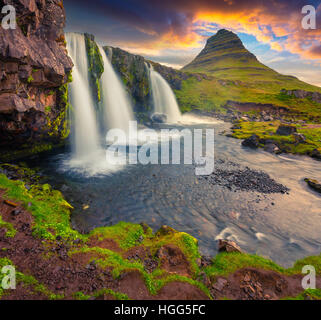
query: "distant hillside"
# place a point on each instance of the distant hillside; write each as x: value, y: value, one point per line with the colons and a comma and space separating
x: 225, y: 75
x: 237, y: 77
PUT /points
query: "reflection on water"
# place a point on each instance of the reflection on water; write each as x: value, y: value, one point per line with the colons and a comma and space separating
x: 282, y: 227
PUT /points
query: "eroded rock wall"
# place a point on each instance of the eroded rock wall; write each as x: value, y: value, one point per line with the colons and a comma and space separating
x: 34, y: 70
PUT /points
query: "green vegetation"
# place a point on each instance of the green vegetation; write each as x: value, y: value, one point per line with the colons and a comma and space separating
x: 267, y: 131
x: 234, y: 74
x: 27, y: 281
x: 96, y: 65
x: 51, y: 220
x: 226, y: 263
x: 30, y: 79
x: 309, y: 294
x: 127, y: 235
x: 48, y: 207
x: 10, y: 230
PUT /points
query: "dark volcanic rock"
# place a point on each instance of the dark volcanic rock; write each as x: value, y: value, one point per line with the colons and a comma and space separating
x: 302, y: 94
x: 272, y: 148
x: 316, y: 154
x: 285, y: 130
x: 252, y: 142
x: 245, y: 179
x: 314, y: 184
x: 133, y: 70
x: 159, y: 118
x: 34, y: 64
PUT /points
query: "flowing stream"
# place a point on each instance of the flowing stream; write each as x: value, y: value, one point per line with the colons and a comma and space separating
x: 283, y: 227
x: 163, y: 97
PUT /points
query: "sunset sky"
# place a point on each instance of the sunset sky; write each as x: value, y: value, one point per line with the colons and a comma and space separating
x: 173, y: 32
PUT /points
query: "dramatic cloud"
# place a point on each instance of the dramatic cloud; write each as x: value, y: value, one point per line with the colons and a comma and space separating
x: 183, y: 23
x: 173, y: 31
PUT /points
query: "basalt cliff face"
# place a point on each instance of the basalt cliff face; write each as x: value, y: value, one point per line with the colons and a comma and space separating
x: 133, y: 71
x: 34, y: 70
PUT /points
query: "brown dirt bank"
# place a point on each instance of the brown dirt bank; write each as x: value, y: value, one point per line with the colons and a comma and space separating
x: 65, y: 275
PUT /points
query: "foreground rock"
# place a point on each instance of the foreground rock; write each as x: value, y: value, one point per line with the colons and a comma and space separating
x: 252, y: 142
x: 228, y: 246
x: 314, y: 184
x: 285, y: 130
x: 159, y: 118
x: 34, y: 65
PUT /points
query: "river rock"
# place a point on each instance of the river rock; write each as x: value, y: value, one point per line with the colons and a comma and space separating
x: 228, y: 246
x: 299, y: 137
x: 316, y: 154
x: 252, y: 142
x: 272, y: 148
x: 159, y: 118
x: 314, y: 184
x: 286, y: 130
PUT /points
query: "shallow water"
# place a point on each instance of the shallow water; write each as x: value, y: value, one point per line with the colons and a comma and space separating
x: 279, y: 226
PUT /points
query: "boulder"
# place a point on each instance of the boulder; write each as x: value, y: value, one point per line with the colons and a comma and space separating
x: 286, y: 130
x: 272, y: 148
x: 316, y: 154
x: 159, y: 118
x: 228, y: 246
x: 252, y: 142
x: 314, y: 184
x: 299, y: 137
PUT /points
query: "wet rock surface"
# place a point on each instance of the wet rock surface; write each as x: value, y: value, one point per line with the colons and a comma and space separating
x: 228, y: 246
x: 314, y: 184
x: 252, y: 142
x: 238, y: 178
x: 286, y: 130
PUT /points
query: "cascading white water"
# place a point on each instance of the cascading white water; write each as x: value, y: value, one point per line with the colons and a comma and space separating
x: 85, y: 134
x: 116, y: 105
x: 163, y: 97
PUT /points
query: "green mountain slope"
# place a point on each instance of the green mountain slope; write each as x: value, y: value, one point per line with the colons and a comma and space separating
x: 236, y: 75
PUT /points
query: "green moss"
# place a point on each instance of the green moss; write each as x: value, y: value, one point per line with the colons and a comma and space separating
x: 95, y: 64
x: 10, y: 230
x: 314, y: 261
x: 226, y: 263
x: 310, y: 294
x: 116, y: 295
x: 28, y: 281
x: 267, y: 130
x: 125, y: 234
x: 50, y: 211
x: 30, y: 79
x: 48, y: 109
x: 81, y: 296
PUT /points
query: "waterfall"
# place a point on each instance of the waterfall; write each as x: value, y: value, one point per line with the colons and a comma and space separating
x: 163, y: 97
x: 85, y: 134
x: 115, y: 102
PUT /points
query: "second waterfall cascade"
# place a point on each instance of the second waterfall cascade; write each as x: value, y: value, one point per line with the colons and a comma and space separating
x: 163, y: 97
x: 115, y: 102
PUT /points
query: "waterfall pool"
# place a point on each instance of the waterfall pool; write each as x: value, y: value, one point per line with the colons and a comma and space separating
x: 283, y: 227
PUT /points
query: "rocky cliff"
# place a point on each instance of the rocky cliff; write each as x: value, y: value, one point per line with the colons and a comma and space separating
x: 96, y: 65
x: 134, y: 74
x: 34, y: 70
